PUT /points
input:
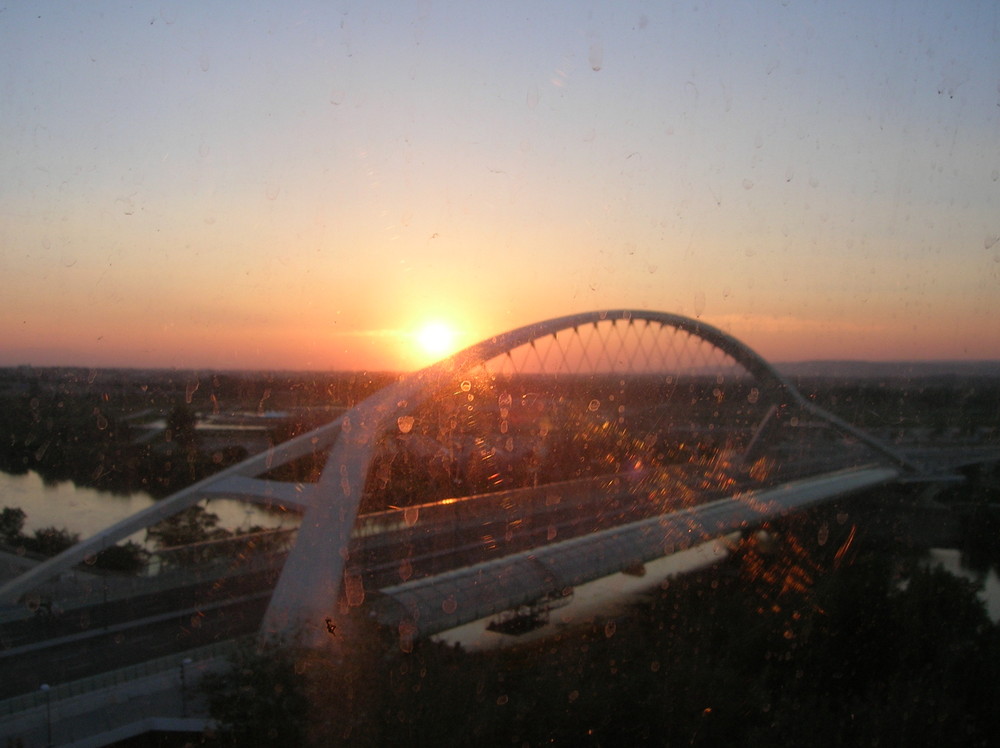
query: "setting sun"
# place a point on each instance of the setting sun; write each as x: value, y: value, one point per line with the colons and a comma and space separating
x: 436, y: 339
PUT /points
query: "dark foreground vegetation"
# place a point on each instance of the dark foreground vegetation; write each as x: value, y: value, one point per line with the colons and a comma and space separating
x: 818, y: 635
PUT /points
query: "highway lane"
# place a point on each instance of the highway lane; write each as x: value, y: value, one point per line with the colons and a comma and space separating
x: 459, y: 533
x: 49, y: 622
x: 139, y: 640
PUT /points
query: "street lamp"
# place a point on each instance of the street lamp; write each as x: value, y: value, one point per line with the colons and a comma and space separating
x: 184, y: 703
x: 48, y: 713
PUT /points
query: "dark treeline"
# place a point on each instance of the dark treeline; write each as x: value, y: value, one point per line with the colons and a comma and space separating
x: 964, y: 405
x: 82, y: 425
x: 128, y: 557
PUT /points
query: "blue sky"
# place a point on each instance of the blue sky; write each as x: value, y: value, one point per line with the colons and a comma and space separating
x: 305, y: 185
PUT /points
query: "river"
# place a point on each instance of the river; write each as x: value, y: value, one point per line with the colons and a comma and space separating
x: 86, y: 510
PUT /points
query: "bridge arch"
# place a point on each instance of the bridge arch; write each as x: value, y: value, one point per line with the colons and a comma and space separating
x: 612, y: 382
x: 530, y: 334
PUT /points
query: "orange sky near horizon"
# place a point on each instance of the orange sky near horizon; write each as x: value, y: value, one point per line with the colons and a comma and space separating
x: 307, y: 187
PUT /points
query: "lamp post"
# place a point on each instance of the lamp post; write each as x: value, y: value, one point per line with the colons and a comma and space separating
x: 48, y: 713
x: 184, y: 704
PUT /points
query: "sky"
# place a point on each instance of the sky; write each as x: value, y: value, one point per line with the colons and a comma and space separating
x: 308, y: 185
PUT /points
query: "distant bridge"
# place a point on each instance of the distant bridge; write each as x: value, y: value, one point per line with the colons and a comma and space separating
x: 488, y: 486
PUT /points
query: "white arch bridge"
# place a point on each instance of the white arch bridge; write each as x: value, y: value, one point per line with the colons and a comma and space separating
x: 499, y: 479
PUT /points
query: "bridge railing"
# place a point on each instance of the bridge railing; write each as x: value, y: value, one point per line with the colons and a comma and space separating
x: 122, y: 676
x: 173, y: 567
x: 208, y: 552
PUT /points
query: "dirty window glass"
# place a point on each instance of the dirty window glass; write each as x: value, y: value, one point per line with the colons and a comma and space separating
x: 508, y: 374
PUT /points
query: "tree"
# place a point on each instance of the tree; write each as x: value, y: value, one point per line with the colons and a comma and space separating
x: 51, y: 541
x: 181, y: 424
x: 11, y: 524
x: 193, y: 525
x: 259, y: 699
x: 129, y: 558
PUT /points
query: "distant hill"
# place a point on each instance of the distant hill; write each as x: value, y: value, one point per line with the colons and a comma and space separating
x: 889, y: 369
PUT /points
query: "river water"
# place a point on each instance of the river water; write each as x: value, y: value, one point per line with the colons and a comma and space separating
x: 86, y: 510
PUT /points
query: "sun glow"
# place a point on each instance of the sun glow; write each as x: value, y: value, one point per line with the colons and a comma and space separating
x: 436, y: 339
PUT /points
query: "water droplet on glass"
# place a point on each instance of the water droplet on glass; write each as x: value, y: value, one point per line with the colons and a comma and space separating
x: 128, y: 207
x: 594, y: 405
x: 699, y: 303
x: 354, y: 589
x: 466, y: 385
x: 596, y: 56
x: 532, y: 98
x: 405, y: 424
